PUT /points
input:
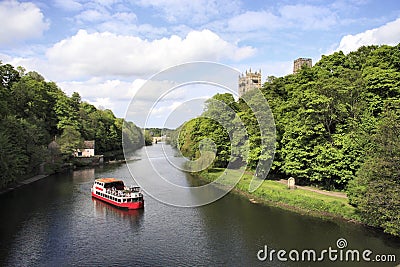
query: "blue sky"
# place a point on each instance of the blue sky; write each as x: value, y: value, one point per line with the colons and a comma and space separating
x: 107, y: 49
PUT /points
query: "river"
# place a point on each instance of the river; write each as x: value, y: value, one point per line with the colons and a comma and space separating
x: 55, y: 222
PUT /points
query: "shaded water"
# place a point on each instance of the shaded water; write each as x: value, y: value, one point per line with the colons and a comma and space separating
x: 55, y: 222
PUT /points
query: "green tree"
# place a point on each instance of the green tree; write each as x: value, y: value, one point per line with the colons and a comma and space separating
x: 66, y: 112
x: 132, y: 136
x: 70, y: 140
x: 148, y: 138
x: 12, y: 160
x: 33, y: 112
x: 8, y: 75
x: 376, y: 190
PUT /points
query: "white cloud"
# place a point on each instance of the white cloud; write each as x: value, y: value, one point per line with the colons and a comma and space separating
x: 70, y: 5
x: 92, y: 15
x: 199, y: 11
x: 20, y: 21
x: 305, y: 17
x: 103, y: 15
x: 116, y: 94
x: 161, y: 110
x: 127, y: 26
x: 103, y: 103
x: 308, y: 17
x: 387, y: 34
x: 110, y: 94
x: 108, y: 54
x: 97, y: 88
x: 253, y: 21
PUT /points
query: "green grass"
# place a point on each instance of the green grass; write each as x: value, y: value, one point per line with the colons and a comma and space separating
x: 277, y: 194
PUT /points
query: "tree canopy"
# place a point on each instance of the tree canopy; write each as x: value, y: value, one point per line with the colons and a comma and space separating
x: 33, y: 112
x: 336, y: 128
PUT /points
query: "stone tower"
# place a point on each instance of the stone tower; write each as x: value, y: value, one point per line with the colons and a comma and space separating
x: 298, y: 63
x: 249, y: 81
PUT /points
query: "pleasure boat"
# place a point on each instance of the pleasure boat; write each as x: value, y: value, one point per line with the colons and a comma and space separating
x: 114, y: 192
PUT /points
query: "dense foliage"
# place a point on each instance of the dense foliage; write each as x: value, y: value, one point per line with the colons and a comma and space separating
x: 34, y: 112
x: 336, y: 127
x: 376, y: 190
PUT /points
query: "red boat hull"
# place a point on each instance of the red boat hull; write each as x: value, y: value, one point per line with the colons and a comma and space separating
x: 128, y: 205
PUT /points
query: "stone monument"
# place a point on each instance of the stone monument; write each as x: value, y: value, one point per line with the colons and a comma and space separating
x: 291, y: 183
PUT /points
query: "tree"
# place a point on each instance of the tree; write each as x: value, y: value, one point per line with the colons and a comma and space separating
x: 148, y: 139
x: 66, y: 111
x: 132, y: 136
x: 70, y: 140
x: 376, y: 190
x: 8, y: 75
x: 12, y: 160
x: 33, y: 112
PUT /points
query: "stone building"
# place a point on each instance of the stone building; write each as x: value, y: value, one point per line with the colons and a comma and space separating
x: 86, y: 151
x: 249, y: 81
x: 298, y: 63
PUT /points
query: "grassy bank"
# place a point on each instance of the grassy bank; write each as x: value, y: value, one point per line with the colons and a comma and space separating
x: 277, y: 194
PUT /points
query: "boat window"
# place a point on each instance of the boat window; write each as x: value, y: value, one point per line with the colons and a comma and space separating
x: 135, y: 189
x: 119, y: 185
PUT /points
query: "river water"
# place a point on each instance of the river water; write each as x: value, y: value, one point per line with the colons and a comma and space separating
x: 55, y: 222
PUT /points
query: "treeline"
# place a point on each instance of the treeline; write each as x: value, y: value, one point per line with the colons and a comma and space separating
x: 337, y: 127
x: 34, y: 112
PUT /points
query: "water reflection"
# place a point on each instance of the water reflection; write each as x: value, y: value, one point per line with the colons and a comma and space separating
x: 82, y: 176
x: 104, y: 210
x: 56, y: 222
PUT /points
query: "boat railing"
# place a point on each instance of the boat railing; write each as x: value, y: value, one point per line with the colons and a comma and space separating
x: 134, y: 188
x: 121, y: 193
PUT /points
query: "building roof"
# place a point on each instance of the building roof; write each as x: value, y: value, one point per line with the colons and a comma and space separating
x: 108, y: 180
x: 53, y: 145
x: 88, y: 144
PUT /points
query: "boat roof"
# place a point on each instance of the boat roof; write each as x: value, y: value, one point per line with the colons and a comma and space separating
x: 108, y: 180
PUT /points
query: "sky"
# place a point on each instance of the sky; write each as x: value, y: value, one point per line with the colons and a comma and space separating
x: 106, y: 50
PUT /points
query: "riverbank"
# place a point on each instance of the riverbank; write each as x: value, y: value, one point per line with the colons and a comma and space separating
x: 300, y: 200
x: 18, y: 184
x: 50, y: 169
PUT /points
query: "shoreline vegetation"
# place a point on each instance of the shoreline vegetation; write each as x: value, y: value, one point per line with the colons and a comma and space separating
x: 28, y: 179
x: 42, y: 128
x: 21, y: 182
x: 334, y: 125
x: 274, y: 193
